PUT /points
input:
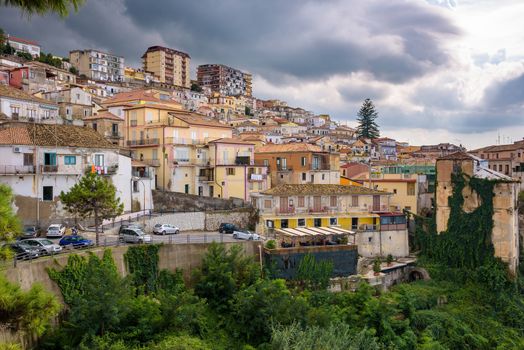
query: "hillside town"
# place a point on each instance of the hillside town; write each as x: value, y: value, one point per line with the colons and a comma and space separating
x: 187, y: 154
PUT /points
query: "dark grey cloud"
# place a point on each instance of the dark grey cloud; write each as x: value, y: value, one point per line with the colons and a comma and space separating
x: 507, y: 95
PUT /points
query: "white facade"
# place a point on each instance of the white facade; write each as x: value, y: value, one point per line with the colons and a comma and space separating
x: 21, y: 45
x: 19, y: 109
x: 37, y: 176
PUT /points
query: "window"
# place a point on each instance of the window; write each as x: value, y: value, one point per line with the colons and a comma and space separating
x: 114, y: 129
x: 49, y: 158
x: 284, y: 163
x: 284, y: 223
x: 270, y: 224
x: 186, y: 188
x: 500, y: 166
x: 135, y: 186
x: 303, y: 176
x: 268, y: 204
x: 323, y: 176
x: 230, y: 171
x: 333, y: 221
x: 303, y: 161
x: 47, y: 193
x: 182, y: 155
x: 154, y: 154
x: 354, y: 201
x: 301, y: 201
x: 193, y: 135
x: 266, y: 162
x: 99, y: 160
x: 15, y: 111
x: 317, y: 222
x: 394, y: 191
x: 301, y: 222
x: 95, y: 127
x: 70, y: 160
x: 316, y: 163
x: 28, y: 159
x: 333, y: 201
x: 411, y: 189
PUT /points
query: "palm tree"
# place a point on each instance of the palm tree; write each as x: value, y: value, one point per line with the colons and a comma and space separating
x: 61, y: 7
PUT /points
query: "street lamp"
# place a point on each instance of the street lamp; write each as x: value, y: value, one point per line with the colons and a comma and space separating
x: 137, y: 179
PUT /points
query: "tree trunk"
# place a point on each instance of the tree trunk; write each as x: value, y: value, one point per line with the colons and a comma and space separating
x: 97, y: 239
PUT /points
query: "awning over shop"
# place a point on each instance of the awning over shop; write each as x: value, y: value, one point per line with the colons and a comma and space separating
x: 313, y: 231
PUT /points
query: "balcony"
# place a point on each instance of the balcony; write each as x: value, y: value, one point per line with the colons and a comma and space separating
x: 319, y: 167
x: 143, y: 142
x: 286, y: 211
x: 284, y: 169
x: 102, y: 170
x: 49, y: 168
x: 393, y: 227
x: 16, y: 169
x: 367, y: 227
x: 184, y: 141
x: 206, y: 178
x: 257, y: 177
x: 379, y: 208
x: 141, y: 174
x: 151, y: 162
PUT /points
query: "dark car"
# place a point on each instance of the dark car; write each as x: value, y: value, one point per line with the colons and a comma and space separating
x: 227, y: 228
x: 25, y: 252
x: 75, y: 241
x: 30, y: 232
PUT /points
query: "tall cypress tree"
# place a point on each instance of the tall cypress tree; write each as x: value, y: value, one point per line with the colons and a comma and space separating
x: 367, y: 127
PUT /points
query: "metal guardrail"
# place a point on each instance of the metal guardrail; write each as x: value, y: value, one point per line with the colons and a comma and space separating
x: 116, y: 242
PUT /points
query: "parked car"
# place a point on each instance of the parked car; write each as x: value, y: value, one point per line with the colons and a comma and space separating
x: 55, y: 230
x: 124, y: 226
x: 45, y: 245
x: 227, y: 228
x: 29, y: 232
x: 246, y: 235
x: 75, y: 241
x: 163, y: 229
x: 134, y: 235
x: 24, y: 251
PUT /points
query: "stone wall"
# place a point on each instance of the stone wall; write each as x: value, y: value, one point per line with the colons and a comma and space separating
x: 176, y: 201
x: 172, y: 256
x: 239, y: 217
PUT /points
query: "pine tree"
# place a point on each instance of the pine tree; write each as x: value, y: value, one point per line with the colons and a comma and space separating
x: 367, y: 127
x: 93, y: 196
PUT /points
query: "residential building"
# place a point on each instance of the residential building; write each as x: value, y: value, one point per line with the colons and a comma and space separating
x: 120, y: 101
x: 142, y: 185
x: 39, y: 161
x: 505, y: 231
x: 98, y: 65
x: 506, y: 159
x: 189, y: 99
x: 435, y: 151
x: 108, y: 125
x: 37, y: 77
x: 24, y: 45
x: 138, y: 76
x: 225, y: 80
x: 364, y: 211
x: 168, y: 65
x: 74, y: 103
x: 18, y: 105
x: 299, y: 163
x: 386, y: 147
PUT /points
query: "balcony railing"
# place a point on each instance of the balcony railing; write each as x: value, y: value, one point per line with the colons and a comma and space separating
x: 282, y: 169
x: 257, y: 177
x: 49, y: 168
x: 102, y: 170
x: 288, y: 211
x: 143, y: 142
x: 151, y: 162
x: 142, y: 174
x: 16, y: 169
x: 184, y: 141
x: 368, y: 227
x: 206, y: 178
x: 393, y: 227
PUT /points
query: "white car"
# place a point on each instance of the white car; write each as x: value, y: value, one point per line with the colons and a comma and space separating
x: 55, y: 230
x: 134, y: 235
x: 246, y: 235
x: 44, y: 245
x: 165, y: 229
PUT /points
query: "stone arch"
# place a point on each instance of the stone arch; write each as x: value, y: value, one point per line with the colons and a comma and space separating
x: 418, y: 274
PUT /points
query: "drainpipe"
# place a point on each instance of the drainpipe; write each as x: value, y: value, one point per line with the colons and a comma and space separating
x: 215, y: 174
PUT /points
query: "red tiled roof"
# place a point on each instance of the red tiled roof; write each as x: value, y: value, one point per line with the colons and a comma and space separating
x: 289, y: 147
x: 103, y: 115
x: 24, y: 41
x: 231, y: 141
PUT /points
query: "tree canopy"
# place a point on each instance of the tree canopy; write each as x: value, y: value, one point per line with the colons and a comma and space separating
x: 366, y: 117
x: 93, y: 196
x: 41, y: 7
x: 9, y: 222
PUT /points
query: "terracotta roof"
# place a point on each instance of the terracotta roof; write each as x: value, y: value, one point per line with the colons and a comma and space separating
x: 150, y: 105
x: 11, y: 92
x: 392, y: 180
x: 289, y: 147
x: 197, y: 119
x: 500, y: 148
x: 457, y: 156
x: 317, y: 189
x: 20, y: 40
x: 136, y: 95
x: 104, y: 115
x: 52, y: 135
x: 231, y: 141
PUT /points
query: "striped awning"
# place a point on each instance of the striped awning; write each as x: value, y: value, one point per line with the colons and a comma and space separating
x: 313, y: 231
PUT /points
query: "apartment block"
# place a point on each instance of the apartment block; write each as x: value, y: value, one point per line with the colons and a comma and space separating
x: 17, y: 105
x: 168, y: 65
x: 24, y: 45
x: 225, y: 80
x: 98, y: 65
x: 363, y: 211
x: 299, y: 163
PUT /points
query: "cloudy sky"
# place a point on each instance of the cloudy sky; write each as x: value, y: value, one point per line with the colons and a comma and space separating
x: 437, y: 70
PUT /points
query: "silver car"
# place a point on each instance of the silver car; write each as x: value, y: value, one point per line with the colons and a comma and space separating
x: 163, y: 229
x: 55, y: 230
x: 45, y: 246
x: 134, y: 235
x: 246, y: 235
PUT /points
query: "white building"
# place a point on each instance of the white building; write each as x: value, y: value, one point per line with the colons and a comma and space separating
x: 24, y: 45
x: 39, y: 161
x: 98, y: 65
x: 18, y: 105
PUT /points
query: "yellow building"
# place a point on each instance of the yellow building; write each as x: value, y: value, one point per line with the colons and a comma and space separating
x: 404, y: 189
x: 168, y: 65
x: 359, y: 209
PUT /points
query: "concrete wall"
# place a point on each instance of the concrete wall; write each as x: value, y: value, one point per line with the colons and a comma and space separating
x: 175, y: 256
x: 375, y: 243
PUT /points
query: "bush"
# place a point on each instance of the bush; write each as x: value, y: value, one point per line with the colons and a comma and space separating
x: 271, y: 244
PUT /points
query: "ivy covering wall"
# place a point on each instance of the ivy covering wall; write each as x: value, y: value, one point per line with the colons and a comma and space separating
x: 142, y: 264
